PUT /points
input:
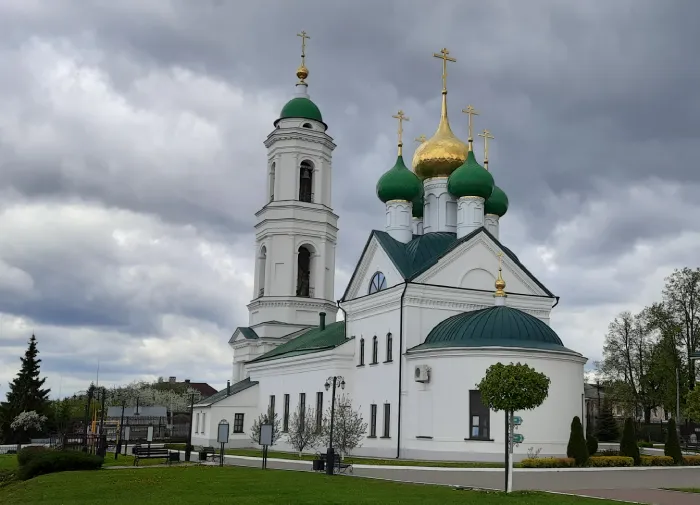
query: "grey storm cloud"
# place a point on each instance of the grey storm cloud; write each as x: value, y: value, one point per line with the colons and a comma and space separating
x: 146, y: 120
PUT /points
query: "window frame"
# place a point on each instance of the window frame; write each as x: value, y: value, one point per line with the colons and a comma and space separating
x: 319, y: 410
x: 379, y: 285
x: 285, y: 419
x: 387, y: 421
x: 389, y: 348
x: 362, y: 352
x: 482, y: 413
x: 238, y: 419
x: 372, y: 421
x: 271, y: 409
x: 196, y: 425
x: 375, y: 351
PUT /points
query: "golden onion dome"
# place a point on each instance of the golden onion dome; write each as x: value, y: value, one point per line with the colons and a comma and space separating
x: 440, y: 155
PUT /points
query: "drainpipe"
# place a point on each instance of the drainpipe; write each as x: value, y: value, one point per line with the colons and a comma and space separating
x: 398, y: 441
x: 556, y: 303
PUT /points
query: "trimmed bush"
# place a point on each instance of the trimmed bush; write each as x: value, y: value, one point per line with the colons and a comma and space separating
x: 577, y: 448
x: 609, y: 452
x: 548, y: 463
x: 656, y: 460
x: 592, y: 444
x: 691, y: 460
x: 628, y: 444
x: 610, y: 461
x: 26, y: 454
x: 58, y: 461
x: 672, y: 447
x: 645, y: 444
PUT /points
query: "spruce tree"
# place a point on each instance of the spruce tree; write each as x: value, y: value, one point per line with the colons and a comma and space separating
x: 628, y: 444
x: 577, y: 448
x: 25, y: 393
x: 673, y: 447
x: 607, y: 429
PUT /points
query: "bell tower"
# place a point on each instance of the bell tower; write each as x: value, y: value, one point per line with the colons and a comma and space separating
x: 296, y: 230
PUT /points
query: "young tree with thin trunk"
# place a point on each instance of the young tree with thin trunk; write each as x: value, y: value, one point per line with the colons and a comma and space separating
x: 268, y: 417
x: 303, y: 432
x: 349, y: 427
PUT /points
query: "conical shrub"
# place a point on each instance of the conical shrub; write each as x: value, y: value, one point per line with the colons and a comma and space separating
x: 628, y: 444
x: 577, y: 448
x: 673, y: 447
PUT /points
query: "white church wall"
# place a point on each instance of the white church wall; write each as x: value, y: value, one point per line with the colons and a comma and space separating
x: 437, y: 414
x: 375, y: 260
x: 306, y: 373
x: 474, y: 264
x: 207, y: 419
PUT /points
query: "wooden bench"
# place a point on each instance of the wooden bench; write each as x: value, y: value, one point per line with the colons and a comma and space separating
x: 205, y: 453
x: 141, y: 452
x: 337, y: 463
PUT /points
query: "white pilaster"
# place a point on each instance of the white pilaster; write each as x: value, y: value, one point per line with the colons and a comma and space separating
x: 418, y: 226
x: 440, y: 211
x: 491, y: 224
x: 470, y: 215
x: 398, y: 220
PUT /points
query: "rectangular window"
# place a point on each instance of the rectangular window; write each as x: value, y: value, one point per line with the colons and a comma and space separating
x: 302, y: 411
x: 387, y: 419
x: 373, y: 421
x: 479, y: 417
x: 196, y: 424
x: 319, y: 410
x: 389, y: 348
x: 375, y: 351
x: 204, y: 423
x: 362, y: 351
x: 271, y: 408
x: 285, y: 417
x: 238, y: 423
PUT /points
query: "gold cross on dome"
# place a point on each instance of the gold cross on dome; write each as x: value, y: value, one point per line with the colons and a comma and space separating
x: 443, y: 55
x: 500, y: 259
x: 420, y: 139
x: 401, y: 117
x: 303, y: 36
x: 486, y: 136
x: 470, y: 111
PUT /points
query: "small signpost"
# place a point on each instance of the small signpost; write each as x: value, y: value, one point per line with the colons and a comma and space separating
x: 222, y: 438
x: 265, y: 440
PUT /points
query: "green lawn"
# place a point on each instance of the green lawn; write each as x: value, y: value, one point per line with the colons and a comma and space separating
x: 257, y: 453
x: 686, y: 489
x: 247, y: 486
x: 8, y: 461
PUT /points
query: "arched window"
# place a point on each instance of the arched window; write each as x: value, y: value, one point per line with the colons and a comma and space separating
x: 377, y: 283
x: 272, y: 182
x: 375, y: 351
x: 306, y: 174
x: 304, y: 267
x: 389, y: 345
x: 262, y: 260
x: 362, y: 351
x: 307, y: 125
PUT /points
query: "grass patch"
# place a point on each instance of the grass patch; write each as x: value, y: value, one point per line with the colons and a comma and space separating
x: 8, y: 462
x: 248, y: 486
x: 684, y: 489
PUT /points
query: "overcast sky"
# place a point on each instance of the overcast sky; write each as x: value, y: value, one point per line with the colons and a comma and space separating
x: 132, y: 157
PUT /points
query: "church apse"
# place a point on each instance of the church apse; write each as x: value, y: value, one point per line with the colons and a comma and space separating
x: 304, y: 268
x: 306, y: 174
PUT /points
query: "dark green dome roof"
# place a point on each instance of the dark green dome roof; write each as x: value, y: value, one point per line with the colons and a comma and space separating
x: 399, y: 183
x: 301, y: 107
x: 498, y: 326
x: 418, y: 204
x: 497, y: 203
x: 470, y: 179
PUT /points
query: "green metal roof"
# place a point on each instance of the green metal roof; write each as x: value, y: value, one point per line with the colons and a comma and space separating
x: 470, y: 179
x: 424, y: 251
x: 399, y: 183
x: 498, y: 326
x: 248, y: 332
x: 313, y: 340
x: 301, y: 107
x: 224, y: 393
x: 497, y: 203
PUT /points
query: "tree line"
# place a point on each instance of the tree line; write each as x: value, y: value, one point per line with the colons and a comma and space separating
x: 647, y: 356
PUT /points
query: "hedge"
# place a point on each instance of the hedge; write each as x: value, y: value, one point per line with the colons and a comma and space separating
x: 58, y: 461
x: 691, y: 460
x: 657, y: 461
x: 548, y: 463
x: 610, y: 461
x: 26, y: 454
x: 645, y: 444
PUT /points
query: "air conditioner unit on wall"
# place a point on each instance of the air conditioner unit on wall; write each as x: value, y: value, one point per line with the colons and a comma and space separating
x: 422, y: 373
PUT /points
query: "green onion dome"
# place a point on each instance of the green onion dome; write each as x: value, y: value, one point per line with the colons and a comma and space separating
x: 497, y: 203
x: 301, y: 107
x: 470, y: 179
x: 399, y: 183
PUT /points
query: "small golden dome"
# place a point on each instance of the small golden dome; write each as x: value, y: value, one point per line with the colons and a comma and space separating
x: 443, y: 153
x: 302, y: 73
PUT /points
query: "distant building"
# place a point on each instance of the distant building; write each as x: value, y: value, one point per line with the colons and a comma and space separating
x: 201, y: 387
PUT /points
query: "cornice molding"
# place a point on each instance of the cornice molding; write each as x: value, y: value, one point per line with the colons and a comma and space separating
x: 296, y: 302
x: 286, y: 134
x: 496, y: 353
x: 465, y: 306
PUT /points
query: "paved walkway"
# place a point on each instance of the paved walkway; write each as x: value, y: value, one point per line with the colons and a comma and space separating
x: 646, y: 496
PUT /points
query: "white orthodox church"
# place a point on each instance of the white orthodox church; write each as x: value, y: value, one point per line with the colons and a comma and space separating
x: 425, y: 313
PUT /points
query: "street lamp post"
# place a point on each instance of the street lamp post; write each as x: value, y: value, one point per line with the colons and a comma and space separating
x: 330, y: 453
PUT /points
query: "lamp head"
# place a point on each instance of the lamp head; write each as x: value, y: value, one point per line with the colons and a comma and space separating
x: 328, y: 385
